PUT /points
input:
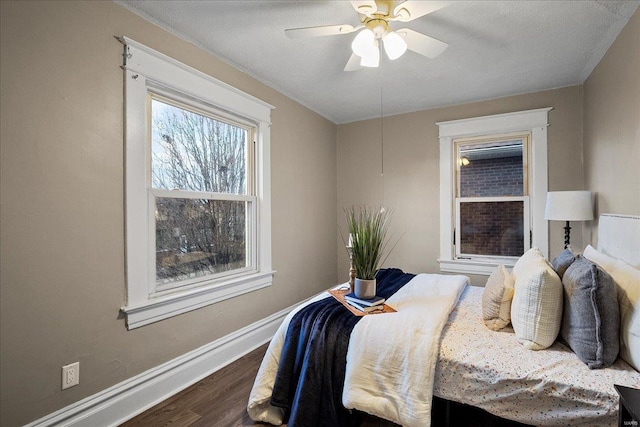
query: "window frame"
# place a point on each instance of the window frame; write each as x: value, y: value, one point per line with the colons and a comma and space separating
x: 147, y: 71
x: 526, y: 144
x: 489, y: 258
x: 533, y: 122
x: 525, y: 138
x: 248, y: 196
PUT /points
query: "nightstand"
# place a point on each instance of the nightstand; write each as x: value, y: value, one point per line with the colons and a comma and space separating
x: 629, y: 409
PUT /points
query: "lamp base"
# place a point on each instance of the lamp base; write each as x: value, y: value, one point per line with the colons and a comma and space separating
x: 567, y: 234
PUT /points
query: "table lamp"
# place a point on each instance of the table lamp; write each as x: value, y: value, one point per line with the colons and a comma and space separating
x: 568, y: 206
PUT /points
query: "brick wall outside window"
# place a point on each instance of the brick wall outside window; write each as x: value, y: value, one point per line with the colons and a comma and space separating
x: 492, y: 228
x: 492, y: 177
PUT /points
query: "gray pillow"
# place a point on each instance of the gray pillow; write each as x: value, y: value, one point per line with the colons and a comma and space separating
x: 591, y: 316
x: 563, y: 261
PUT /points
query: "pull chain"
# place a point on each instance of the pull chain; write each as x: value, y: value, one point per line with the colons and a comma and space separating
x: 382, y: 209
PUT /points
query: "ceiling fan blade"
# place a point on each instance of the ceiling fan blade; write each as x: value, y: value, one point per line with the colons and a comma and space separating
x: 325, y: 30
x: 353, y: 64
x: 422, y: 44
x: 412, y: 9
x: 365, y: 7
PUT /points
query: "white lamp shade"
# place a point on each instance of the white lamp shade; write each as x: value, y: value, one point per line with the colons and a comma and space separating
x: 371, y: 58
x: 569, y: 206
x: 394, y: 45
x: 363, y: 42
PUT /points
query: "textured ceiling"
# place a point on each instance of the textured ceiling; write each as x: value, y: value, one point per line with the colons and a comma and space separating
x: 496, y: 49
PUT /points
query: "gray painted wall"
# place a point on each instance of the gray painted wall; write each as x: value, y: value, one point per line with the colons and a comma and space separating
x: 410, y: 184
x: 61, y: 169
x: 612, y: 125
x: 62, y: 246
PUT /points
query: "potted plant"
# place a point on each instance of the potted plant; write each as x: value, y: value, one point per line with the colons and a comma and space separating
x: 368, y: 229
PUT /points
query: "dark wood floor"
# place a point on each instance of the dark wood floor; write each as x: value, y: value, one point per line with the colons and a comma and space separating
x: 220, y: 400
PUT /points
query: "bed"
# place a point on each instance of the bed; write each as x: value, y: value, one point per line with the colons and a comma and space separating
x: 395, y: 365
x: 550, y: 387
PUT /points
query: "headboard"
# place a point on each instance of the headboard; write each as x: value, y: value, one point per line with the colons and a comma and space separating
x: 619, y: 237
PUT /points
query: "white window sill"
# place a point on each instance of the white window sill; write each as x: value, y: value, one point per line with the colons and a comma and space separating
x: 159, y: 308
x: 470, y: 266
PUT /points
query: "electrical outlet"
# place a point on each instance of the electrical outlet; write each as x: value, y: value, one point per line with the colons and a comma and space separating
x: 70, y: 375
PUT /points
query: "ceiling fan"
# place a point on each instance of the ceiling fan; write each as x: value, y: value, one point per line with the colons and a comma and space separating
x: 375, y: 17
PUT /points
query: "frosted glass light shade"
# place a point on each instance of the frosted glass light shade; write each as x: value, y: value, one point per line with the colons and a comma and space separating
x: 569, y: 206
x: 363, y: 42
x: 394, y: 45
x: 371, y: 58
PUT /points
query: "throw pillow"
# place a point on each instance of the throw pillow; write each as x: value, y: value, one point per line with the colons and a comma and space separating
x: 532, y: 255
x: 563, y: 261
x: 536, y: 309
x: 628, y: 280
x: 591, y: 320
x: 603, y: 260
x: 496, y: 299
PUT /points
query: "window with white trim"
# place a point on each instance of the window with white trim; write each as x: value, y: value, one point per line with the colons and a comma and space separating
x: 492, y: 201
x: 197, y: 188
x: 493, y: 184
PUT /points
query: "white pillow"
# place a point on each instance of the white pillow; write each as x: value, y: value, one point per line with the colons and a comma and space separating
x: 536, y: 309
x: 603, y: 260
x: 628, y: 280
x: 496, y: 299
x: 531, y: 255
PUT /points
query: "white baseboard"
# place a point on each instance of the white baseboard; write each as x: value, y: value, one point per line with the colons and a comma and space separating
x: 129, y: 398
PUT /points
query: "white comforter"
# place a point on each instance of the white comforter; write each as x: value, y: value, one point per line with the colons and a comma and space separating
x: 391, y: 357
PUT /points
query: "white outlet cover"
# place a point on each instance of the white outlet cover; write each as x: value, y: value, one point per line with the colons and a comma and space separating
x: 70, y: 375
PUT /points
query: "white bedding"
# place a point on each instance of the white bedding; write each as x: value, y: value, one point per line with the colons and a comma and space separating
x: 406, y: 341
x: 391, y: 358
x: 551, y: 387
x: 475, y: 366
x: 259, y: 407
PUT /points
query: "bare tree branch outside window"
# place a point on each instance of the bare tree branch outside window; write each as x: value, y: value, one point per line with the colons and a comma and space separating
x: 197, y: 153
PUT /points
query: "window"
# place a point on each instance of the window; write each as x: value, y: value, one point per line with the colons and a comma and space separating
x: 492, y: 203
x: 197, y: 188
x: 200, y: 186
x: 493, y: 184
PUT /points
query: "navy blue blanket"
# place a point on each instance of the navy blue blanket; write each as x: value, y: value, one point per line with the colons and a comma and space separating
x: 311, y: 370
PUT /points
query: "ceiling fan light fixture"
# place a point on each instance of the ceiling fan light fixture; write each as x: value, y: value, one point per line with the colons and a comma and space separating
x: 394, y: 45
x: 374, y: 29
x: 363, y: 42
x: 371, y: 58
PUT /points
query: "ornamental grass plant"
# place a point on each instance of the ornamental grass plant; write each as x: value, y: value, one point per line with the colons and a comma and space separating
x: 368, y: 228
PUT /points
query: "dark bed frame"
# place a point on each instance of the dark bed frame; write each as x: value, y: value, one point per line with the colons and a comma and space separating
x: 453, y: 414
x: 446, y: 413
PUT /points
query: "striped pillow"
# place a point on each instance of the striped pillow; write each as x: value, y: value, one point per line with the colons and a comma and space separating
x: 536, y: 309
